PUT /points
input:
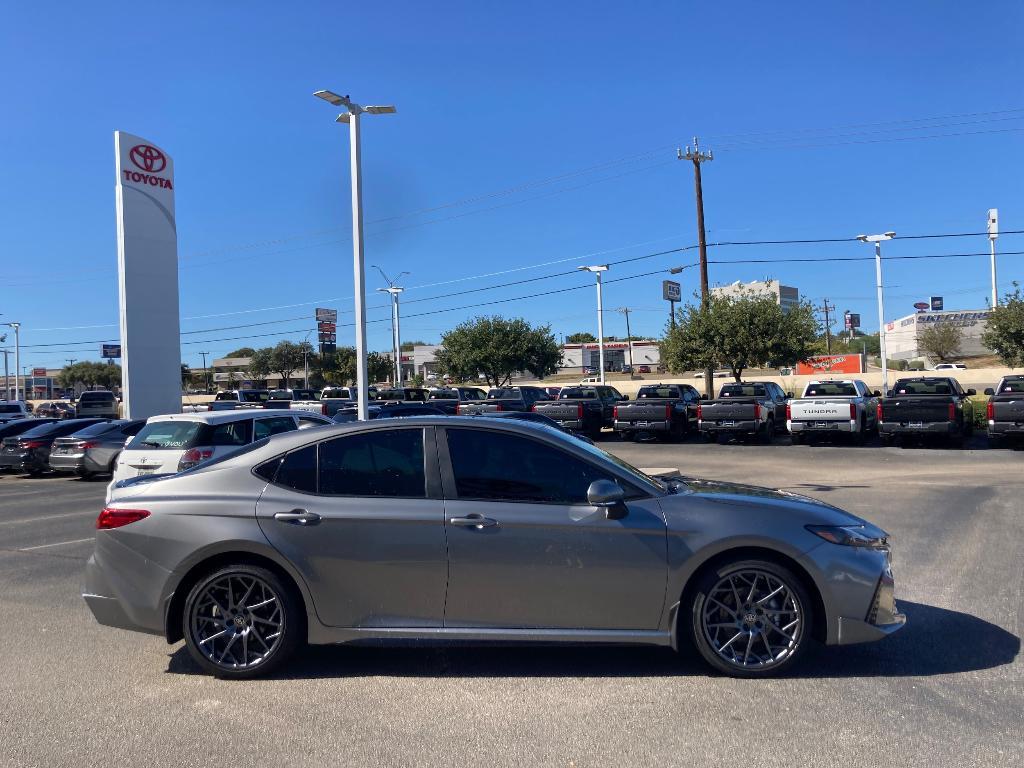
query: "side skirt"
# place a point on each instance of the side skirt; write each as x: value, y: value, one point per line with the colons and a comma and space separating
x: 332, y: 635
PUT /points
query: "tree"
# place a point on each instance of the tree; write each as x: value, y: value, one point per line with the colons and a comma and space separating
x: 260, y: 364
x: 738, y: 332
x: 378, y: 367
x: 90, y: 374
x: 583, y: 337
x: 941, y: 340
x: 242, y: 352
x: 1004, y: 334
x: 286, y: 357
x: 498, y: 348
x: 407, y: 346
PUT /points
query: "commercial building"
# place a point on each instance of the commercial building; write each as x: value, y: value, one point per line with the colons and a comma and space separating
x: 616, y: 354
x: 902, y: 336
x: 787, y: 296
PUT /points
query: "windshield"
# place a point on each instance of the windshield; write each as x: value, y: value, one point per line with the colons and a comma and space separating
x: 165, y: 435
x: 279, y: 394
x: 655, y: 392
x: 502, y: 394
x: 830, y: 388
x: 1012, y: 385
x: 923, y: 387
x: 578, y: 393
x: 742, y: 390
x: 305, y: 394
x: 339, y: 393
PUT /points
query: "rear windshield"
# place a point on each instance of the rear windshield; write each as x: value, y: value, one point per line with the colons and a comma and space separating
x: 831, y: 388
x: 255, y: 396
x: 305, y: 394
x: 97, y: 397
x: 57, y: 429
x: 578, y: 393
x: 940, y: 387
x: 1016, y: 385
x: 279, y: 394
x: 443, y: 394
x: 501, y: 394
x: 10, y: 408
x: 742, y: 390
x: 166, y: 435
x: 649, y: 392
x: 99, y: 429
x: 338, y: 393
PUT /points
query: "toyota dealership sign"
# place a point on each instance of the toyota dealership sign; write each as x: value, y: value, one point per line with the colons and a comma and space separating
x: 149, y: 162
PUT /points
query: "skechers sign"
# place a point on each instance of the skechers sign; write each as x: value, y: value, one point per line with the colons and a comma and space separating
x: 149, y: 160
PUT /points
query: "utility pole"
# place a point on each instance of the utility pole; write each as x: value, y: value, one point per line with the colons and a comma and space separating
x: 697, y: 157
x: 828, y: 326
x: 629, y: 338
x: 993, y: 233
x: 206, y: 372
x: 396, y: 334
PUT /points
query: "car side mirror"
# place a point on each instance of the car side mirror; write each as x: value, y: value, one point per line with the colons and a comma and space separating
x: 625, y: 397
x: 989, y: 391
x: 889, y: 393
x: 609, y: 496
x: 876, y: 393
x: 972, y: 392
x: 789, y: 395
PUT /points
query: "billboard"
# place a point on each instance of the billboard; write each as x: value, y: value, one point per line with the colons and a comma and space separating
x: 822, y: 364
x: 324, y: 315
x: 110, y: 350
x: 936, y: 303
x: 147, y: 273
x: 671, y: 290
x: 38, y: 372
x: 851, y: 320
x: 327, y: 329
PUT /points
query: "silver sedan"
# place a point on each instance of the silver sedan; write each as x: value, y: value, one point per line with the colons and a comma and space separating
x: 468, y: 529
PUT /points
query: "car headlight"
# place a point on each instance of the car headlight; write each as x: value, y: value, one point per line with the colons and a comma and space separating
x: 851, y: 535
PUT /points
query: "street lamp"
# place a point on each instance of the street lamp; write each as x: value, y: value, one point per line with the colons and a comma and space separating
x: 877, y: 240
x: 597, y: 270
x: 396, y: 336
x: 352, y: 118
x: 17, y: 356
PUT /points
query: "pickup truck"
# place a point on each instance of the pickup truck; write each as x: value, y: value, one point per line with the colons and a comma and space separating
x: 448, y: 399
x: 504, y: 399
x: 239, y: 398
x: 668, y: 411
x: 582, y: 409
x: 926, y: 406
x: 297, y: 399
x: 842, y: 406
x: 1005, y: 411
x: 746, y: 408
x: 403, y: 394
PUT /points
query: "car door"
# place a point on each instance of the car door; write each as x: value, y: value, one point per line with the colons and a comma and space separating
x: 526, y: 550
x: 361, y: 517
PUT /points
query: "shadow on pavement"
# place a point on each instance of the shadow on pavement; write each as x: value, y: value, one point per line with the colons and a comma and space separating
x: 935, y: 641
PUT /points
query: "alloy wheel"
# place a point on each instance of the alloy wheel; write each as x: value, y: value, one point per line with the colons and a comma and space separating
x: 753, y: 620
x: 237, y: 621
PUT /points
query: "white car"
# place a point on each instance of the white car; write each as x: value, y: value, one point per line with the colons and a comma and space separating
x: 950, y: 367
x: 176, y: 442
x: 13, y: 409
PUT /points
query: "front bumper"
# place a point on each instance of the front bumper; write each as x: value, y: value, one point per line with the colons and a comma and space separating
x: 925, y: 428
x: 822, y: 427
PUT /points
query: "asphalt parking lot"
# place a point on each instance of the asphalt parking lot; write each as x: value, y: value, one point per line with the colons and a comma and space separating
x: 947, y: 690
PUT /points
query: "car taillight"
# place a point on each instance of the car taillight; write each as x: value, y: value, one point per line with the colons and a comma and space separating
x: 952, y: 411
x: 699, y: 412
x: 880, y: 419
x: 85, y: 446
x: 615, y: 412
x: 853, y: 412
x: 323, y: 409
x: 757, y: 411
x: 458, y: 408
x: 498, y: 407
x: 990, y: 412
x: 533, y: 408
x: 668, y: 412
x: 579, y: 410
x: 193, y: 456
x: 30, y: 444
x: 789, y: 413
x: 115, y: 518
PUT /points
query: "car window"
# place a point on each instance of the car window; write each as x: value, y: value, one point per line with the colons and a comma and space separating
x: 443, y: 394
x: 830, y: 389
x: 493, y: 466
x: 1012, y: 386
x: 230, y: 433
x: 96, y: 397
x: 273, y: 426
x: 10, y: 408
x: 96, y: 429
x: 308, y: 422
x: 298, y: 470
x: 743, y: 390
x: 166, y: 435
x: 130, y: 430
x: 378, y: 463
x: 225, y: 396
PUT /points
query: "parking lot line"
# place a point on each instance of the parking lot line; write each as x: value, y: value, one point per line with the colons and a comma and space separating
x: 47, y: 517
x: 55, y: 544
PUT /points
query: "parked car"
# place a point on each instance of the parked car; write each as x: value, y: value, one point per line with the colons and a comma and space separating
x: 403, y: 394
x: 93, y: 450
x: 590, y: 370
x: 504, y: 399
x: 841, y: 406
x: 668, y: 411
x: 55, y: 410
x: 584, y: 410
x: 10, y: 410
x: 746, y: 408
x: 391, y: 410
x: 951, y: 367
x: 175, y: 442
x: 537, y: 419
x: 926, y: 406
x: 99, y: 403
x: 29, y: 452
x: 448, y: 399
x: 1005, y: 411
x: 439, y: 527
x: 239, y: 398
x: 643, y: 369
x: 17, y: 427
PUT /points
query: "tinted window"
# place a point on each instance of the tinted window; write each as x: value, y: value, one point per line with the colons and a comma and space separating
x: 298, y: 470
x: 96, y: 397
x: 647, y: 393
x: 341, y: 393
x: 231, y: 433
x: 374, y: 464
x: 443, y: 394
x: 98, y: 429
x: 132, y: 428
x: 830, y: 388
x: 1012, y: 386
x: 12, y: 428
x: 499, y: 394
x: 169, y: 435
x: 577, y: 393
x: 254, y: 396
x: 743, y: 390
x: 267, y: 427
x: 502, y: 467
x: 10, y: 408
x: 923, y: 387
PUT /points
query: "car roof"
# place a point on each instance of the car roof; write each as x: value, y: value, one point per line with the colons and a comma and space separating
x: 223, y: 417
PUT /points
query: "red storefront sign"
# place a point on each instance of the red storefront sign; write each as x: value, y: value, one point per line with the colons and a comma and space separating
x: 829, y: 364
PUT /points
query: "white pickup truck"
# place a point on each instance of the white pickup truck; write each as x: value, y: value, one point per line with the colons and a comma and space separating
x: 828, y: 407
x: 13, y: 409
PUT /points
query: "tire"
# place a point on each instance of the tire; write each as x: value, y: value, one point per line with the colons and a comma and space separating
x: 860, y: 436
x: 626, y: 435
x: 765, y: 436
x: 113, y: 464
x: 796, y: 438
x: 887, y: 440
x: 996, y: 441
x: 719, y: 618
x: 244, y: 640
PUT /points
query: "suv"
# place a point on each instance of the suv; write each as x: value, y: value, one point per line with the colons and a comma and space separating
x: 13, y: 409
x: 96, y: 404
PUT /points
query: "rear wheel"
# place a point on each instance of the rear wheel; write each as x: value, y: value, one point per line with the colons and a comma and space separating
x: 887, y: 440
x: 750, y: 618
x: 242, y: 621
x: 796, y: 438
x: 768, y: 432
x: 860, y: 435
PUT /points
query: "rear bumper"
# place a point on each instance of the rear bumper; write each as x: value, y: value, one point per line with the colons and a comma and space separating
x: 1005, y: 428
x: 642, y: 426
x: 67, y: 463
x: 125, y: 596
x: 730, y: 426
x: 926, y: 428
x: 830, y: 426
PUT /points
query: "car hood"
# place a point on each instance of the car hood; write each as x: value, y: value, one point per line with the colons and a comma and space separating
x: 809, y: 509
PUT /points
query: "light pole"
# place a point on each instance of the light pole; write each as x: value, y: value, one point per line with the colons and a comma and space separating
x: 17, y: 356
x: 598, y: 270
x: 352, y: 118
x: 206, y: 372
x: 396, y: 335
x: 993, y: 233
x: 877, y: 240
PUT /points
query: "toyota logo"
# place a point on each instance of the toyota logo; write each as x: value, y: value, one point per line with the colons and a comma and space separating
x: 147, y: 158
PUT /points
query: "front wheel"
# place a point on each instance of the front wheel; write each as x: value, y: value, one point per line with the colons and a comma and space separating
x: 242, y: 621
x: 750, y: 618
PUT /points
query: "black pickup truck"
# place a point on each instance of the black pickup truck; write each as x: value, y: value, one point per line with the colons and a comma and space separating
x: 668, y: 411
x: 448, y: 399
x: 586, y: 410
x: 1005, y: 411
x: 926, y: 406
x: 744, y: 408
x: 504, y: 399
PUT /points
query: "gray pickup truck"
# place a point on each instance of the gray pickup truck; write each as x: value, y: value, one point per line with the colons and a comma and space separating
x: 239, y: 398
x: 836, y: 407
x: 667, y: 411
x: 1005, y: 411
x: 502, y: 399
x: 448, y: 399
x: 926, y: 406
x: 583, y: 410
x: 744, y: 408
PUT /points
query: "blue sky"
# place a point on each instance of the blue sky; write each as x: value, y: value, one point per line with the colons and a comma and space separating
x: 527, y: 133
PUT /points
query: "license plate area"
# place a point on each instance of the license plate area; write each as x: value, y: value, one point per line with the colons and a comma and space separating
x: 915, y: 424
x: 728, y: 423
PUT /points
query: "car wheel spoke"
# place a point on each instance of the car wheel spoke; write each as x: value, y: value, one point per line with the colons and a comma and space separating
x: 231, y: 634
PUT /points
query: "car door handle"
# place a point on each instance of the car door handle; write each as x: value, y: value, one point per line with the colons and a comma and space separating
x: 298, y: 517
x: 473, y: 521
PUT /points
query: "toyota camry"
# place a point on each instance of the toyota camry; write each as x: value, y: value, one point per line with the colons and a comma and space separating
x: 475, y: 529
